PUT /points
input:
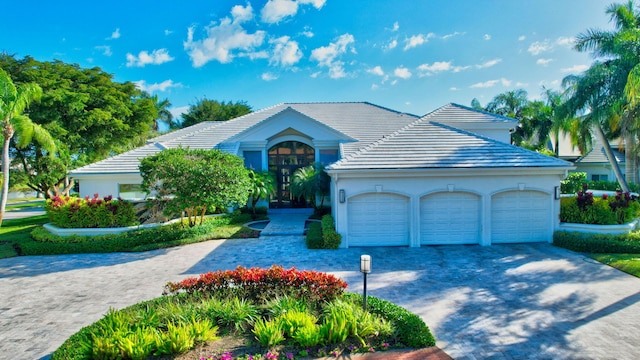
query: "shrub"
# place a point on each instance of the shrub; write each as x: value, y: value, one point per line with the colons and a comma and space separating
x: 292, y: 321
x: 314, y: 236
x: 262, y: 285
x: 67, y: 212
x: 330, y: 237
x: 598, y: 243
x: 268, y: 333
x: 607, y: 210
x: 573, y: 183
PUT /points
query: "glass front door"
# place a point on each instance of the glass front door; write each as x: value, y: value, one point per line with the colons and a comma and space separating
x: 284, y: 159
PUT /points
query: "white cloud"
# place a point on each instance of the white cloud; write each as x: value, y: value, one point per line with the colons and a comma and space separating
x: 566, y: 41
x: 168, y: 32
x: 114, y: 35
x: 453, y: 88
x: 178, y: 111
x: 328, y: 55
x: 276, y: 10
x: 156, y: 57
x: 575, y: 69
x: 285, y: 52
x: 106, y: 50
x: 491, y: 83
x: 521, y: 84
x: 376, y: 71
x: 269, y: 76
x: 445, y: 37
x: 307, y: 32
x: 489, y: 63
x: 487, y: 37
x: 539, y: 47
x: 417, y: 40
x: 402, y: 72
x: 151, y: 88
x: 543, y: 62
x: 437, y: 66
x: 522, y: 38
x: 395, y: 27
x: 225, y: 40
x: 392, y: 44
x: 374, y: 86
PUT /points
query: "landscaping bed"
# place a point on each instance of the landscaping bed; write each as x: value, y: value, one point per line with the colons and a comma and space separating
x: 253, y: 313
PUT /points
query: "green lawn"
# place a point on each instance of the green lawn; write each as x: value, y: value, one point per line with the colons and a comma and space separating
x: 629, y: 263
x: 25, y: 204
x: 15, y: 232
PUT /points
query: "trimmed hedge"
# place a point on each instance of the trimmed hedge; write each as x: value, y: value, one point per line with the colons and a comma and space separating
x: 409, y: 327
x: 598, y: 243
x: 67, y: 212
x: 314, y: 236
x: 47, y: 243
x: 323, y: 235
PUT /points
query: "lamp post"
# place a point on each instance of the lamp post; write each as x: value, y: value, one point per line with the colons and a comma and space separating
x: 365, y: 268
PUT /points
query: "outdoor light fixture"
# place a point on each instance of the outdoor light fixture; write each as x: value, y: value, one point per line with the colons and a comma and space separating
x: 557, y: 192
x: 365, y: 268
x: 341, y: 196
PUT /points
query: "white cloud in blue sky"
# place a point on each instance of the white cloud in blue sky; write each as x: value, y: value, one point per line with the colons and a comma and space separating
x: 413, y: 55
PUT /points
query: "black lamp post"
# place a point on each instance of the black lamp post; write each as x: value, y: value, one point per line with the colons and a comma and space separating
x: 365, y: 268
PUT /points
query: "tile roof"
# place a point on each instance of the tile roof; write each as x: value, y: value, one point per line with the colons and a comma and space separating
x: 597, y: 155
x: 431, y: 145
x: 379, y: 140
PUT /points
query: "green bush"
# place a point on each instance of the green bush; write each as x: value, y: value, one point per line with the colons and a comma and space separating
x: 314, y: 236
x: 573, y: 183
x: 408, y: 327
x: 606, y: 210
x: 598, y: 243
x: 330, y: 237
x: 67, y: 212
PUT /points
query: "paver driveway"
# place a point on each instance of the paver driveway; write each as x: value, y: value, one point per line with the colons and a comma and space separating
x: 501, y: 302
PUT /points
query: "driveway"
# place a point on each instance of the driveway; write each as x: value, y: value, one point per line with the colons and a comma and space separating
x: 500, y: 302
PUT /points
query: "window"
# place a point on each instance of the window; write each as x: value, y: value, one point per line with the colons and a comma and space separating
x: 253, y: 160
x: 131, y: 192
x: 599, y: 177
x: 328, y: 156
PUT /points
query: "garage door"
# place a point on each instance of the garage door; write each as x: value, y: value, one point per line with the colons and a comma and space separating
x: 450, y: 218
x: 378, y: 219
x: 520, y: 216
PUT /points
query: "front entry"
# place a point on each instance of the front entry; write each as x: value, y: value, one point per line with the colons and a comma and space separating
x: 284, y: 159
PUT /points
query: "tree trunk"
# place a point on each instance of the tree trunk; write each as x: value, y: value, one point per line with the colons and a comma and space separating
x: 8, y: 133
x: 612, y: 158
x: 631, y: 170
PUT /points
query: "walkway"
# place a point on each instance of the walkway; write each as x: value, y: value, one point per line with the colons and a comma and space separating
x: 500, y: 302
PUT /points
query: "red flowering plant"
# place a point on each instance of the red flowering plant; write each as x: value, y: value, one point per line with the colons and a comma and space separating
x: 90, y: 212
x: 607, y: 210
x: 262, y: 284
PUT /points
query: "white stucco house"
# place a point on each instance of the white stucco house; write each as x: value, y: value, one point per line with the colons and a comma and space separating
x: 449, y: 177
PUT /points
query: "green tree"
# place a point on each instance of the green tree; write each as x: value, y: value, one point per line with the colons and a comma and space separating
x: 164, y: 115
x: 311, y: 182
x: 191, y: 181
x: 13, y: 103
x: 513, y: 104
x: 212, y: 110
x: 90, y: 115
x: 262, y: 187
x: 609, y: 88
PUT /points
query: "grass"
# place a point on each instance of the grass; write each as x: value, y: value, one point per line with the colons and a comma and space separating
x: 629, y: 263
x: 24, y: 204
x: 16, y: 232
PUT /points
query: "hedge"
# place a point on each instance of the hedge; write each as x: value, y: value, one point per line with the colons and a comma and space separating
x: 68, y: 212
x: 323, y: 235
x: 598, y: 243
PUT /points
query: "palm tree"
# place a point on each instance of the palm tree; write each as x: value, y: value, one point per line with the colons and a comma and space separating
x: 620, y: 63
x: 13, y: 102
x: 310, y: 182
x: 512, y: 104
x: 262, y: 186
x: 164, y: 115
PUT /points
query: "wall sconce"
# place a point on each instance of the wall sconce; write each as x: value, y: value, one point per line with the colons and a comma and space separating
x: 365, y: 268
x: 557, y: 192
x: 341, y: 196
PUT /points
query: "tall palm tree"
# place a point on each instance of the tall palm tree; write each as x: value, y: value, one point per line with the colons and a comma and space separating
x: 164, y: 115
x: 611, y: 85
x: 513, y: 104
x: 13, y: 102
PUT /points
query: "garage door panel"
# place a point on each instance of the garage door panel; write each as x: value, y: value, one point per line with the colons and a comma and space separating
x: 450, y: 218
x: 378, y: 220
x: 520, y: 216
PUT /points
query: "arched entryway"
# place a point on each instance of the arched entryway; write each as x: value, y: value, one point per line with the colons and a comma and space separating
x: 284, y: 159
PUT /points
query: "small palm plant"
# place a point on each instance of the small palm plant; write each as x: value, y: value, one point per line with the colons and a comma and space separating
x: 262, y: 187
x: 311, y: 182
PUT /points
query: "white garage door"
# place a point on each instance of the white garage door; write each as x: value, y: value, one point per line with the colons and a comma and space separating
x: 450, y: 218
x: 378, y: 219
x: 520, y: 216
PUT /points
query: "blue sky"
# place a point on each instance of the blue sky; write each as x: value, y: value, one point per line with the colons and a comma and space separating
x: 413, y: 55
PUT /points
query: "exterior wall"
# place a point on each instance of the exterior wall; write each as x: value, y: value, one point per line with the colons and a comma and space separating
x: 597, y: 169
x: 105, y: 184
x: 496, y: 134
x: 415, y: 185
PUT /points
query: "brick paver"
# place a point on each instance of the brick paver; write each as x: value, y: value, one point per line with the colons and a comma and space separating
x: 500, y: 302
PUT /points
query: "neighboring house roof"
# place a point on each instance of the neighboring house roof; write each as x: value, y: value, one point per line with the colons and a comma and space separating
x: 376, y: 137
x: 428, y: 144
x: 597, y: 155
